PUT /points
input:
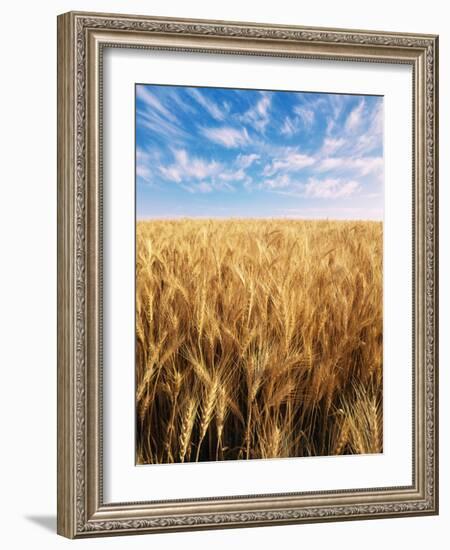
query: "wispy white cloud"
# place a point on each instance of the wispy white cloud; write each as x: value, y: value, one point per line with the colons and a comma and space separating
x: 361, y: 129
x: 226, y: 106
x: 162, y: 127
x: 302, y: 121
x: 150, y: 100
x: 362, y: 166
x: 334, y: 111
x: 258, y: 116
x: 188, y: 168
x: 332, y: 163
x: 143, y: 165
x: 330, y: 188
x: 305, y: 114
x: 335, y: 105
x: 331, y: 145
x: 207, y: 186
x: 369, y: 165
x: 176, y: 98
x: 172, y: 173
x: 355, y: 140
x: 198, y: 175
x: 143, y: 171
x: 227, y: 136
x: 282, y: 181
x: 213, y: 109
x: 146, y: 162
x: 289, y: 160
x: 372, y: 137
x: 313, y: 188
x: 245, y: 161
x: 289, y: 127
x: 237, y: 175
x: 355, y: 117
x: 342, y: 157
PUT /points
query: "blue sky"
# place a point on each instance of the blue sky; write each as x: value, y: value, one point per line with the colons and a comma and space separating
x: 216, y: 152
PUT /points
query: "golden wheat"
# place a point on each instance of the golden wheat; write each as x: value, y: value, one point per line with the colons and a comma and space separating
x: 257, y: 339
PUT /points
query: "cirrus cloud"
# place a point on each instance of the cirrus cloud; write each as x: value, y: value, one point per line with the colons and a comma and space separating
x: 227, y: 136
x: 290, y: 160
x: 330, y: 188
x: 186, y: 167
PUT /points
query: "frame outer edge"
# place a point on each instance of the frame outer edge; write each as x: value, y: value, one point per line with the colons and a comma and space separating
x: 74, y: 480
x: 66, y: 525
x: 436, y: 272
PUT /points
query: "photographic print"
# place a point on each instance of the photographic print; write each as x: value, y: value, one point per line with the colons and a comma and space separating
x: 259, y: 274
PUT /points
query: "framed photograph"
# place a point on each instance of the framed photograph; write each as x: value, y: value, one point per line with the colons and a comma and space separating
x: 247, y: 274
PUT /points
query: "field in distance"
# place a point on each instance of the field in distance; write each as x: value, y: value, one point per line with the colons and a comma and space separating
x: 258, y: 339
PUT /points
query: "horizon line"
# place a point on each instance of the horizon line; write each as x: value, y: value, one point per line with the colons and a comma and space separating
x: 281, y: 218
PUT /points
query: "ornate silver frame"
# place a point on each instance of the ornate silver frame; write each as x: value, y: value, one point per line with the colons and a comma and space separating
x: 81, y: 38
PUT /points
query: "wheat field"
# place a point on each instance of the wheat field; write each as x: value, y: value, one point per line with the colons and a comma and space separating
x: 258, y: 339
